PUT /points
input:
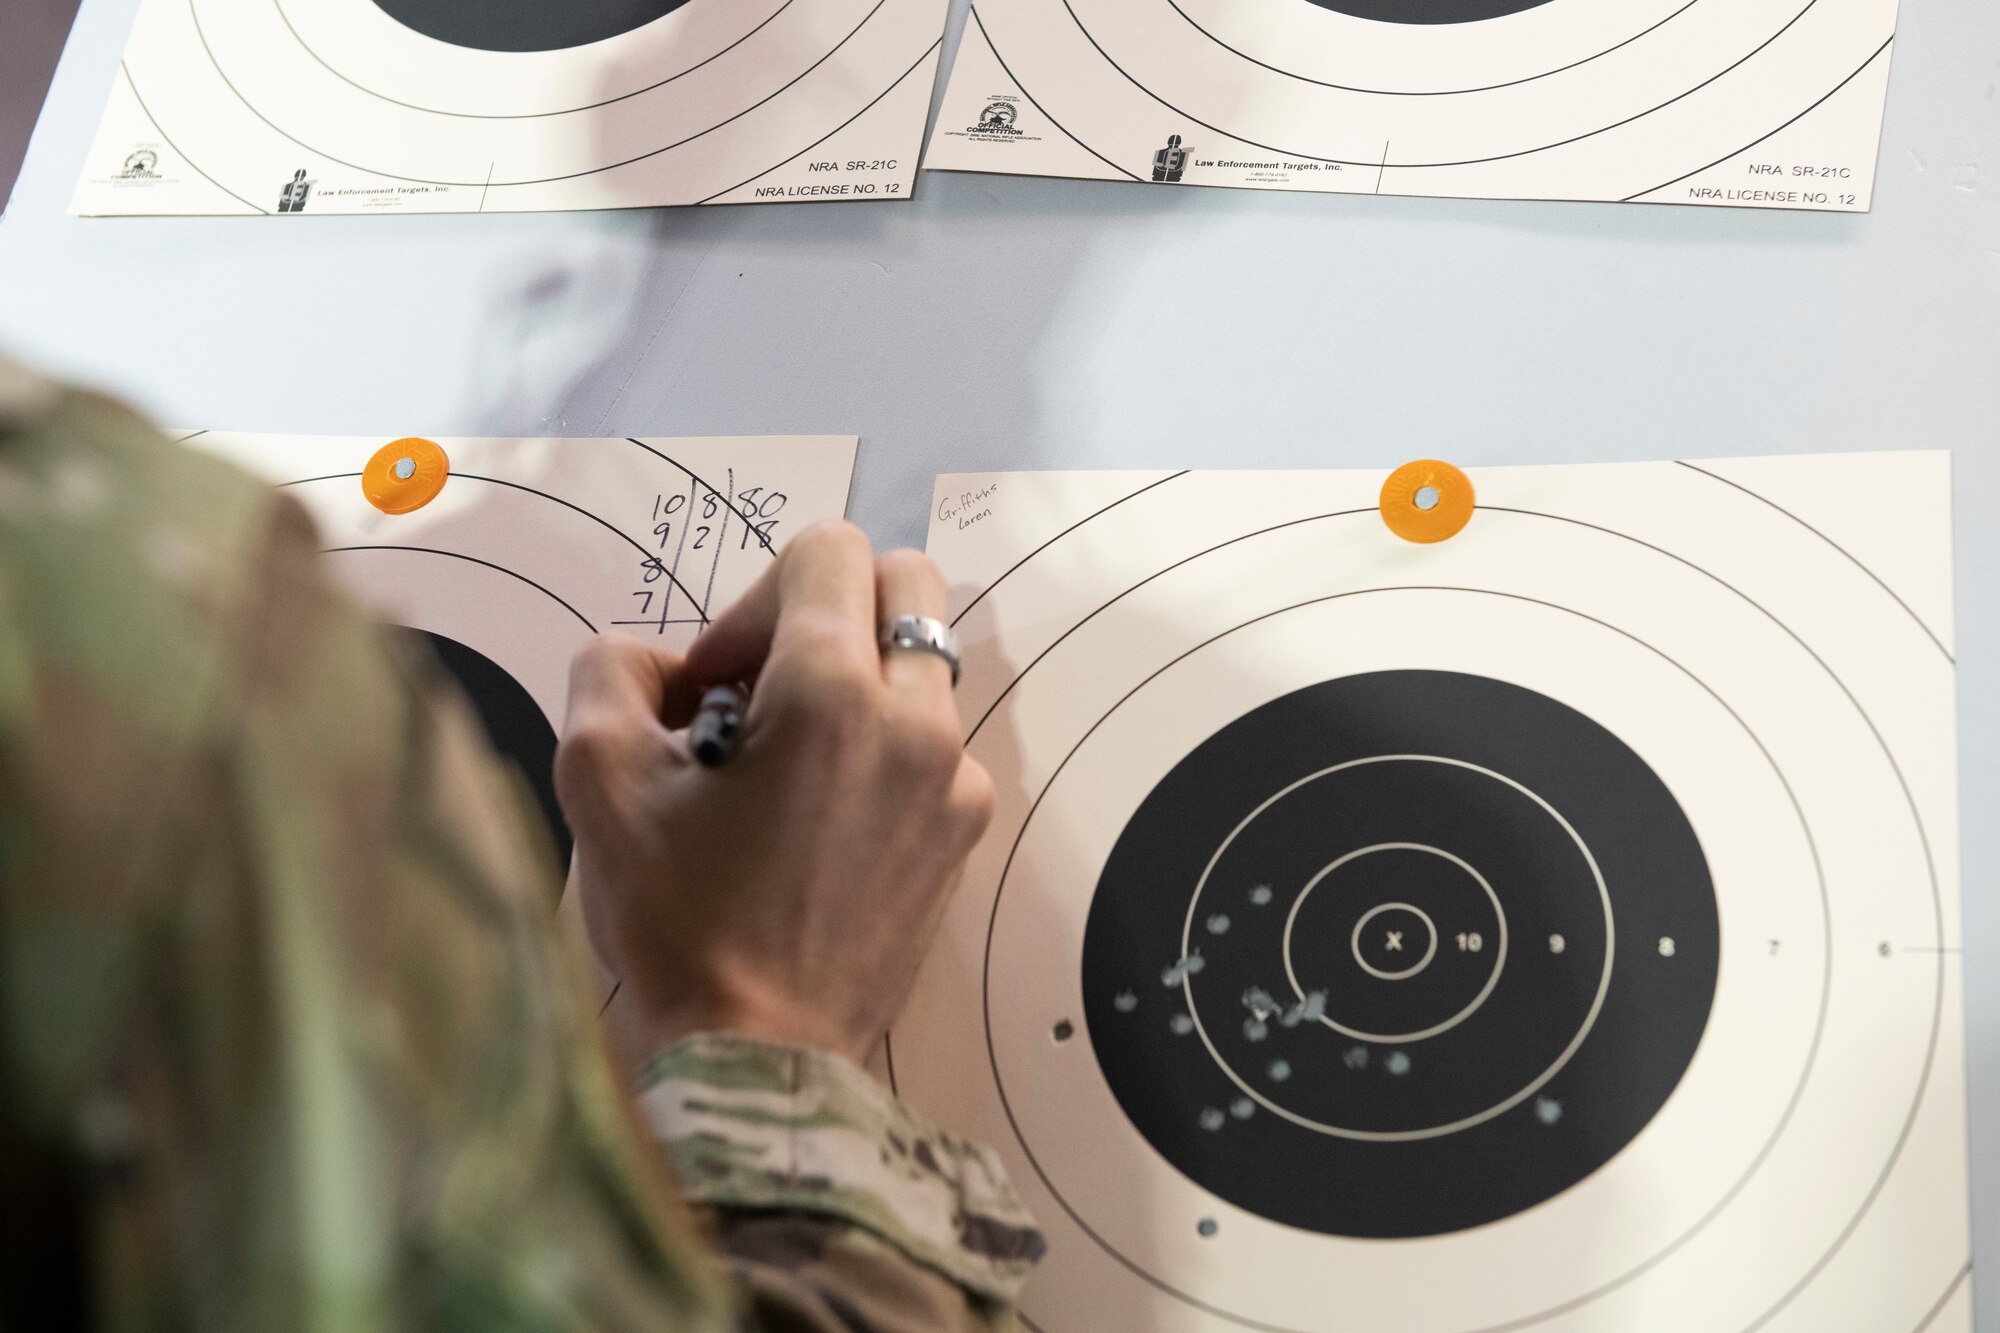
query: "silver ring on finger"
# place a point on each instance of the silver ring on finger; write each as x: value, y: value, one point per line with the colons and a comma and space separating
x: 921, y: 634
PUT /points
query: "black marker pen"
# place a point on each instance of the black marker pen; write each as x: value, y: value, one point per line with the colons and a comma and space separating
x: 717, y: 729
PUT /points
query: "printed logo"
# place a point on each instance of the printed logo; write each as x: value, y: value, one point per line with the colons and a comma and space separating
x: 997, y: 118
x: 998, y: 122
x: 142, y: 168
x: 297, y: 190
x: 1170, y: 163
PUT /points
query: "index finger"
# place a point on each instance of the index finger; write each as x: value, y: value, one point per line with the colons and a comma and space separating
x: 817, y: 597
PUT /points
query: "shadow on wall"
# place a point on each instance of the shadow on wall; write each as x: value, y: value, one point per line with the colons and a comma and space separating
x: 32, y: 33
x: 922, y: 327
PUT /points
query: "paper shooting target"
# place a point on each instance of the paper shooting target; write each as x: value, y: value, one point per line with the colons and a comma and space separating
x: 366, y: 106
x: 1553, y: 928
x: 1759, y: 103
x: 534, y: 546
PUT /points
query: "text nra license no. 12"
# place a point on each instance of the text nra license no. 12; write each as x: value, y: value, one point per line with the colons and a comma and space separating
x: 1767, y: 190
x: 834, y: 187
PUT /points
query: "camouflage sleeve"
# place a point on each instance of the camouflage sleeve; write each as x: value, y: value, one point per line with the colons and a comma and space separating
x: 840, y: 1208
x: 287, y: 1037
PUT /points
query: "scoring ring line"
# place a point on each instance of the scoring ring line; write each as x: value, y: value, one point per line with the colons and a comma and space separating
x: 1354, y: 941
x: 1492, y: 977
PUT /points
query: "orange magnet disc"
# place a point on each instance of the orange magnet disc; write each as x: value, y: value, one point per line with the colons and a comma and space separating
x: 405, y: 475
x: 1427, y: 501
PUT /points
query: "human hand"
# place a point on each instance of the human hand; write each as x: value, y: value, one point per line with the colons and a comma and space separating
x: 789, y: 895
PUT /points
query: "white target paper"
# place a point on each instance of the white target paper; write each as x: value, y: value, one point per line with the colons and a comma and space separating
x: 463, y: 106
x: 1743, y: 103
x: 1555, y: 928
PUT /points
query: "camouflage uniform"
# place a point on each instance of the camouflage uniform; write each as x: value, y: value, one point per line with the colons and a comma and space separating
x: 289, y: 1038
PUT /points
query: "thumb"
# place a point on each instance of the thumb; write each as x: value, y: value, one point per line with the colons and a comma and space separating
x: 621, y: 689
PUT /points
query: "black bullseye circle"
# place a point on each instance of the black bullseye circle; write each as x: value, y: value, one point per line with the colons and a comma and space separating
x: 1318, y: 973
x: 1424, y: 11
x: 514, y: 722
x: 525, y: 25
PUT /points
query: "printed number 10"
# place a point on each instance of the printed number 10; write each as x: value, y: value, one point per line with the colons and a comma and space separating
x: 1471, y: 942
